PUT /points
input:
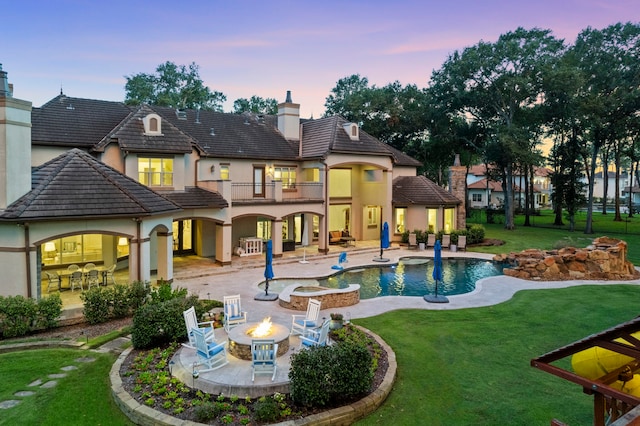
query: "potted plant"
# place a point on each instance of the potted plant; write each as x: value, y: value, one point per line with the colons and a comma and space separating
x: 337, y: 320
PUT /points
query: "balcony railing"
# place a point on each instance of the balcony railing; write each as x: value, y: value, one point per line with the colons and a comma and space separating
x: 304, y: 191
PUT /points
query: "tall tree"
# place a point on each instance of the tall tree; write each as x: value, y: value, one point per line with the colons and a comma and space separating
x: 499, y: 85
x: 256, y: 105
x: 177, y: 86
x: 608, y: 60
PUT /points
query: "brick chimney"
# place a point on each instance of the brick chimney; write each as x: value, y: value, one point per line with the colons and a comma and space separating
x: 15, y: 144
x: 289, y: 119
x: 457, y: 187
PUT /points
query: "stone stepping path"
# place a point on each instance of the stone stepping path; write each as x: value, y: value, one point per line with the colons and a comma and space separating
x: 42, y: 384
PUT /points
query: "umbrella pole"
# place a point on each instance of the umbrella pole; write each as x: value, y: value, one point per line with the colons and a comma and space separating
x: 266, y: 287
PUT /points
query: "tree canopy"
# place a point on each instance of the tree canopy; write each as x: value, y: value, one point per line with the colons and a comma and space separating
x: 177, y: 86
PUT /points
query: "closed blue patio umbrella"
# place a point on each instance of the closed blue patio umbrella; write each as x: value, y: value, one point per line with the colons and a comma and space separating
x: 384, y: 242
x: 437, y: 274
x: 268, y: 269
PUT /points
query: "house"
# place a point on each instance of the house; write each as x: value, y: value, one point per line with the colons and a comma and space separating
x: 102, y: 182
x: 483, y: 191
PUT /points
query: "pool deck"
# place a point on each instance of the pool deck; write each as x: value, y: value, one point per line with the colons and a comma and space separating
x: 243, y: 278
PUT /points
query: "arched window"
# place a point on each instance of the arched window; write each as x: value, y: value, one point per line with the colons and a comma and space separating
x: 153, y: 124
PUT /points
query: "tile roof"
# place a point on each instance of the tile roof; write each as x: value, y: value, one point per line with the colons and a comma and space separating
x: 235, y: 135
x: 418, y: 190
x: 494, y: 186
x: 324, y: 136
x: 194, y: 198
x: 75, y: 122
x: 75, y: 185
x: 130, y: 136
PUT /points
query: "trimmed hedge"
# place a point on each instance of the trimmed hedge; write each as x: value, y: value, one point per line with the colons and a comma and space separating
x: 102, y: 304
x: 20, y: 315
x: 157, y: 324
x: 325, y: 375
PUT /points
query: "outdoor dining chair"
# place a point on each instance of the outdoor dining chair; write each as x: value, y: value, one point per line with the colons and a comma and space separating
x: 93, y: 278
x: 77, y: 280
x: 53, y: 281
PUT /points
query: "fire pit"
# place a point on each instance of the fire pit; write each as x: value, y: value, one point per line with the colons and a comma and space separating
x: 240, y: 337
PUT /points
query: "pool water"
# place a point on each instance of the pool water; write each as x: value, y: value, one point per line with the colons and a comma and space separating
x: 409, y: 277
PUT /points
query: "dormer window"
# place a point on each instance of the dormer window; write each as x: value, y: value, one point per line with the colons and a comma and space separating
x: 352, y: 130
x: 152, y: 125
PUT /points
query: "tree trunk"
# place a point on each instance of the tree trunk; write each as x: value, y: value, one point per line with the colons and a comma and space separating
x: 507, y: 188
x: 527, y: 197
x: 617, y: 217
x: 605, y: 179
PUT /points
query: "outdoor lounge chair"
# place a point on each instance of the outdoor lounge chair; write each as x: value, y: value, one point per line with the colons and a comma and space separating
x: 431, y: 240
x: 446, y: 241
x: 301, y: 323
x: 413, y: 241
x: 263, y: 358
x: 213, y: 355
x: 316, y: 337
x: 233, y: 313
x: 462, y: 242
x: 191, y: 323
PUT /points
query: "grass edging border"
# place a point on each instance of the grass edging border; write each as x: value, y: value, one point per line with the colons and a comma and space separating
x: 345, y: 415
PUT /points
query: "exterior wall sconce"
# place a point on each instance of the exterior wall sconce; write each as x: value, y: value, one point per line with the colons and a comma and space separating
x: 213, y: 168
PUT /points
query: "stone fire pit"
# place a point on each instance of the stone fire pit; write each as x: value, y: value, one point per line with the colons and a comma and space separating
x: 240, y: 339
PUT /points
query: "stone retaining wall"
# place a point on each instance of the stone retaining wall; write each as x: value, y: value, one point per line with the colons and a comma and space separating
x: 605, y: 259
x: 329, y: 298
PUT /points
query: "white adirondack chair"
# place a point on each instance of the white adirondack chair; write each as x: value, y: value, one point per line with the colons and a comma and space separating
x: 191, y: 323
x: 233, y: 313
x: 264, y: 358
x: 301, y: 323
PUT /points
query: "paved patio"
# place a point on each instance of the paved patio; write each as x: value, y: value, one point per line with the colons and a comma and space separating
x: 208, y: 281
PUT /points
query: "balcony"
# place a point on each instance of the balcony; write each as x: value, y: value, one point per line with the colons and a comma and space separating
x: 243, y: 193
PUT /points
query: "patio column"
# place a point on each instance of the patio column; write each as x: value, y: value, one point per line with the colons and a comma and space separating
x: 165, y: 256
x: 224, y: 243
x: 276, y: 237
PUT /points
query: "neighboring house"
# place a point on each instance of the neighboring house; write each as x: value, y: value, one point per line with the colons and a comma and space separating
x: 481, y: 195
x: 610, y: 177
x: 133, y: 186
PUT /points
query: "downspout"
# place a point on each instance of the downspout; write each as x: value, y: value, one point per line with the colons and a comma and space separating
x: 28, y: 258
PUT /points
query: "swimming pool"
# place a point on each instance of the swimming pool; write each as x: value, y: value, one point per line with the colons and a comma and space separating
x: 409, y: 277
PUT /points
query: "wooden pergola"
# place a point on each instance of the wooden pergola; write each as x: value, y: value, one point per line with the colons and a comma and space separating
x: 607, y: 401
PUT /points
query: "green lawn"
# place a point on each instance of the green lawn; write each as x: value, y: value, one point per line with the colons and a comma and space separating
x: 471, y: 366
x: 544, y: 235
x: 83, y: 397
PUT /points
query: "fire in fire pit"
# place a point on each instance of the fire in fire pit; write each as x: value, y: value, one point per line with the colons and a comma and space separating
x: 263, y: 329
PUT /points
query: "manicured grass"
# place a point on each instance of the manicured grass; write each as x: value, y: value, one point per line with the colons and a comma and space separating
x: 544, y: 235
x: 83, y: 397
x: 471, y: 366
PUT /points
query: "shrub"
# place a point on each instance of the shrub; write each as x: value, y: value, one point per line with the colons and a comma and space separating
x: 20, y: 315
x: 156, y: 324
x: 48, y: 311
x: 266, y: 409
x: 97, y: 305
x: 475, y: 234
x: 164, y: 292
x: 327, y: 374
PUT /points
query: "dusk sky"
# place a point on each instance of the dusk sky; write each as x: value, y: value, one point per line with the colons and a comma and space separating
x: 247, y: 48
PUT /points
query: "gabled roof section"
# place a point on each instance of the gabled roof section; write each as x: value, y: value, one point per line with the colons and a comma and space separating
x: 75, y: 122
x: 131, y: 137
x: 327, y: 135
x: 402, y: 159
x: 418, y: 190
x: 196, y: 198
x: 75, y: 185
x: 494, y: 186
x: 234, y: 135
